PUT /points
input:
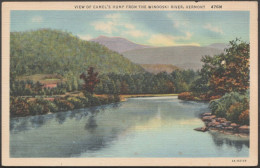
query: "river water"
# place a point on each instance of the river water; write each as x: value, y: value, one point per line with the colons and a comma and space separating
x: 138, y: 127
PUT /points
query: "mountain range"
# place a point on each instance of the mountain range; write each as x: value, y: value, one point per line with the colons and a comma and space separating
x: 185, y: 57
x: 118, y: 44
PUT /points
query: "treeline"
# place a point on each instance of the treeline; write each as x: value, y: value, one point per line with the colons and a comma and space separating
x: 30, y: 88
x: 112, y: 83
x: 146, y: 83
x: 20, y: 106
x: 224, y: 79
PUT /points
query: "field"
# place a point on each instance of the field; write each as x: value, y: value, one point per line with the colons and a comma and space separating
x: 43, y: 78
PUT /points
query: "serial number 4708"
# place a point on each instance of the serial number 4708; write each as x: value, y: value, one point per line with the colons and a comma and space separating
x: 216, y: 6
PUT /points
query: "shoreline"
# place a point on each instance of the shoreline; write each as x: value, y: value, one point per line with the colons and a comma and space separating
x: 213, y: 123
x: 124, y: 97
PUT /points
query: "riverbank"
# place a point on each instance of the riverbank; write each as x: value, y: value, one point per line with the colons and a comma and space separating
x: 31, y: 106
x: 222, y: 125
x: 126, y: 96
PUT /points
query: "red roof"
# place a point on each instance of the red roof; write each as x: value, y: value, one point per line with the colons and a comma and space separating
x: 50, y: 85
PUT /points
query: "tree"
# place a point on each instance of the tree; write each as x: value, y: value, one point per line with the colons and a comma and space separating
x: 230, y: 71
x: 90, y: 80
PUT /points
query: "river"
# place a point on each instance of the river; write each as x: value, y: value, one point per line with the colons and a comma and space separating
x: 138, y: 127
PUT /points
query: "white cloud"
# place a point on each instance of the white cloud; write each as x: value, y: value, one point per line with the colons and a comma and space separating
x: 135, y: 33
x: 187, y: 36
x: 107, y: 27
x: 37, y: 19
x: 178, y: 20
x: 213, y: 28
x: 129, y: 26
x: 169, y: 40
x: 178, y: 24
x: 161, y: 40
x: 115, y: 23
x: 85, y: 36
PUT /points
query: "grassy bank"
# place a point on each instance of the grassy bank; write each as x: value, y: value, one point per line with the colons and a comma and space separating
x: 27, y: 106
x: 125, y: 96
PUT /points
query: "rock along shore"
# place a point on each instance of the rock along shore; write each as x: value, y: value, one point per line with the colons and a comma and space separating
x: 222, y: 125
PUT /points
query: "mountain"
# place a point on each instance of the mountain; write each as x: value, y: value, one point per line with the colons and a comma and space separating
x: 187, y: 57
x: 118, y: 44
x: 157, y: 68
x: 47, y: 51
x: 220, y: 46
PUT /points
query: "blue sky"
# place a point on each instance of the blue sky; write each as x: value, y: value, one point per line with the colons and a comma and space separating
x: 157, y: 28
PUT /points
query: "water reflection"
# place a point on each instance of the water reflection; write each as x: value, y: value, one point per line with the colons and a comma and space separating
x: 31, y: 122
x: 91, y: 125
x: 93, y: 131
x: 221, y: 139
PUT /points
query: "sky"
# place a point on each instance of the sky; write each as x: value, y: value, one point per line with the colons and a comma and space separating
x: 156, y: 28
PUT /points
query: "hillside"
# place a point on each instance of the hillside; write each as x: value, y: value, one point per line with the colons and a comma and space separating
x: 220, y: 46
x: 118, y: 44
x: 157, y: 68
x: 48, y: 51
x: 180, y: 56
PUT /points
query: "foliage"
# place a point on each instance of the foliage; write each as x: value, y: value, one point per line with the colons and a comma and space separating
x: 19, y: 107
x: 235, y: 110
x: 227, y: 72
x: 185, y: 96
x: 56, y: 52
x: 145, y: 83
x: 90, y: 80
x: 230, y: 106
x: 244, y: 117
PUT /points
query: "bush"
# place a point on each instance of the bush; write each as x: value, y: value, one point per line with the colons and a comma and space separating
x: 116, y: 98
x: 185, y: 96
x: 215, y: 97
x: 84, y: 101
x: 19, y: 107
x: 235, y: 111
x: 244, y: 117
x: 231, y: 105
x: 76, y: 102
x: 52, y: 107
x: 35, y: 108
x: 63, y: 104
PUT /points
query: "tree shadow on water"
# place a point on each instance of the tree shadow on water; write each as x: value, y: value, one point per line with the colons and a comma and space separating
x: 91, y: 124
x: 221, y: 139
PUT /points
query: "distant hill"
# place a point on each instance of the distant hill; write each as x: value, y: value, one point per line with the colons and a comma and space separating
x: 48, y: 51
x: 220, y: 46
x: 157, y: 68
x: 118, y: 44
x: 187, y: 57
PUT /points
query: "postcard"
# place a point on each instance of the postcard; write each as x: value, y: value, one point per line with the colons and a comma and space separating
x: 129, y: 83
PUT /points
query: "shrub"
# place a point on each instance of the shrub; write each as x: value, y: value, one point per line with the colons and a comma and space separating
x: 84, y: 101
x: 185, y: 96
x: 35, y: 108
x: 19, y: 107
x: 63, y: 104
x: 52, y: 107
x: 215, y: 97
x: 221, y: 106
x: 116, y: 98
x: 76, y: 102
x: 235, y: 111
x: 244, y: 117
